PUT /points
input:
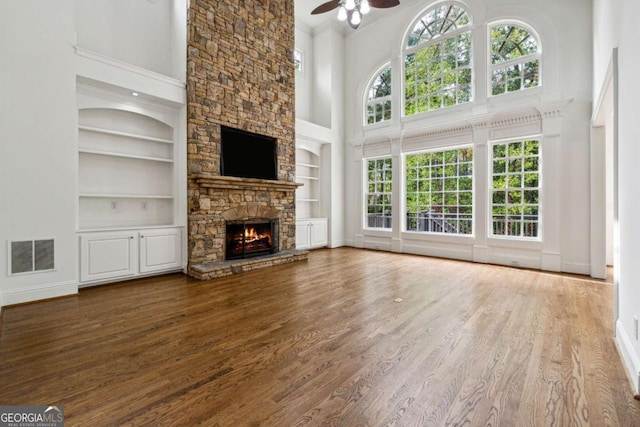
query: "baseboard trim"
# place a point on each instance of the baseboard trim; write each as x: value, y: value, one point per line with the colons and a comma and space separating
x: 40, y: 292
x: 629, y: 357
x: 576, y: 268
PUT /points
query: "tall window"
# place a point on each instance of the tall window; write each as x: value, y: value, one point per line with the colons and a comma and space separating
x: 439, y: 191
x: 298, y: 58
x: 437, y: 60
x: 379, y: 98
x: 515, y: 59
x: 378, y: 194
x: 516, y: 189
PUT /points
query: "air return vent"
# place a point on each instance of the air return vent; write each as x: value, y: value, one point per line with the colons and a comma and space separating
x: 31, y: 256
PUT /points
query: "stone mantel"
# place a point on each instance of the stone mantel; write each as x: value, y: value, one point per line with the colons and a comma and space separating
x: 235, y: 183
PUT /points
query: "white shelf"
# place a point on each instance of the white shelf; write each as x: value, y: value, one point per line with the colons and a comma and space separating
x: 308, y: 165
x: 312, y: 178
x: 124, y: 134
x: 125, y: 196
x: 128, y: 156
x: 307, y: 200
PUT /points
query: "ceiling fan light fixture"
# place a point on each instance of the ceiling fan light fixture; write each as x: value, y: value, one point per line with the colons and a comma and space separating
x: 342, y: 14
x: 355, y: 18
x: 350, y: 4
x: 365, y: 7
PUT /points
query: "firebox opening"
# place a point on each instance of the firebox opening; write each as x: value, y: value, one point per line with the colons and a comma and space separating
x: 250, y: 238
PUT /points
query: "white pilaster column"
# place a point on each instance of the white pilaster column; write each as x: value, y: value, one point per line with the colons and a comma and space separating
x: 481, y: 183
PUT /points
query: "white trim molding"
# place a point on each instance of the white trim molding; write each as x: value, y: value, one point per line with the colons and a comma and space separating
x: 39, y: 292
x: 94, y: 56
x: 629, y: 357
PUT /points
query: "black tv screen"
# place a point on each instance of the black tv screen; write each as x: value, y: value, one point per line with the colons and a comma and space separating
x: 247, y: 155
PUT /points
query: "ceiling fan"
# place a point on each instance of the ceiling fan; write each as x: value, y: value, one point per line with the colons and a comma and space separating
x: 352, y: 10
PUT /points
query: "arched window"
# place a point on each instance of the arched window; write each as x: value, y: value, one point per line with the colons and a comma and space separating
x: 515, y: 59
x: 437, y: 60
x: 379, y: 98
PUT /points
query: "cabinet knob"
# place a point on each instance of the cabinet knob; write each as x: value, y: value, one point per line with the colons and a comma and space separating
x: 131, y: 237
x: 142, y: 236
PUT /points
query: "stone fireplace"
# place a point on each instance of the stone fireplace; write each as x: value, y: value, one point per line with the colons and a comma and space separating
x: 240, y: 80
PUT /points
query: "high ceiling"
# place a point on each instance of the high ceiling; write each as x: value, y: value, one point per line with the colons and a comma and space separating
x: 303, y: 10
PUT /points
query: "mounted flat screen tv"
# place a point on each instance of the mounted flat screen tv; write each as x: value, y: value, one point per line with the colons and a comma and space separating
x: 247, y: 155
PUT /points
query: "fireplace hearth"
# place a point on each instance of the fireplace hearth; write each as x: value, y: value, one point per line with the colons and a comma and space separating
x: 251, y: 238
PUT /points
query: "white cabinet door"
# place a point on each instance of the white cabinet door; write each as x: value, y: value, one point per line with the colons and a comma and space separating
x: 302, y: 235
x: 318, y: 233
x: 311, y: 233
x: 107, y: 255
x: 160, y: 250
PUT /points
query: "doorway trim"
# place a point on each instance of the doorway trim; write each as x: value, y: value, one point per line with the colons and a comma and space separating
x: 606, y: 104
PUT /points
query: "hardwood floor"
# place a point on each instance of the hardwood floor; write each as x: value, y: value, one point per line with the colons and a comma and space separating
x: 322, y: 342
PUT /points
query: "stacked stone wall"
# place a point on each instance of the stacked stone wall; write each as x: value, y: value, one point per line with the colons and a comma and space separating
x: 239, y: 74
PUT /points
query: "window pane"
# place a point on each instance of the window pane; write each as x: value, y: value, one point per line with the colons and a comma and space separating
x: 378, y: 196
x: 515, y: 44
x: 442, y: 202
x: 379, y: 98
x: 437, y: 22
x: 516, y: 192
x: 438, y: 75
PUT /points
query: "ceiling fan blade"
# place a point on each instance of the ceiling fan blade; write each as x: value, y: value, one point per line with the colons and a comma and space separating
x: 326, y: 7
x: 383, y: 4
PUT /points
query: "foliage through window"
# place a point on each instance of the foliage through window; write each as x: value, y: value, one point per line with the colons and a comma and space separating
x: 516, y: 189
x: 515, y: 59
x: 379, y: 192
x: 379, y: 98
x: 439, y: 191
x: 437, y: 62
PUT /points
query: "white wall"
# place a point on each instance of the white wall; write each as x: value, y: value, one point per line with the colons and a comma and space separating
x: 38, y: 114
x: 304, y: 79
x: 615, y: 26
x: 606, y: 14
x: 38, y: 142
x: 145, y: 33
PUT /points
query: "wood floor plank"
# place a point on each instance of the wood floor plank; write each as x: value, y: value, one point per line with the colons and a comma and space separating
x: 323, y: 342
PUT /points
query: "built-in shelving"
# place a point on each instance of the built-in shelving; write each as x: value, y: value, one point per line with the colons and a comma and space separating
x: 309, y: 178
x: 125, y: 134
x: 125, y: 196
x: 307, y: 165
x: 126, y: 170
x: 308, y: 175
x: 129, y: 156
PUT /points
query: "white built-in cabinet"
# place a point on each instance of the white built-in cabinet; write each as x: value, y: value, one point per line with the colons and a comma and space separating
x: 110, y: 255
x: 129, y: 221
x: 311, y: 233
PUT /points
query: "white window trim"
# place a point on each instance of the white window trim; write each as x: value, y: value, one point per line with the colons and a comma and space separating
x: 403, y: 194
x: 301, y: 53
x: 365, y: 193
x: 410, y: 50
x: 523, y: 59
x: 532, y: 240
x: 367, y: 102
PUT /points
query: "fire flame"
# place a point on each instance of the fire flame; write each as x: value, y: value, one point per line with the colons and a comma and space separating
x: 251, y: 235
